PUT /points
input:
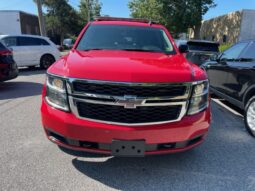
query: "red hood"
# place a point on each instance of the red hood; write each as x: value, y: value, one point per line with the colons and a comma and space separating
x: 126, y: 67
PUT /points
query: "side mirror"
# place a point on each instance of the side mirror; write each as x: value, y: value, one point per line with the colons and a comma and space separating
x: 183, y: 48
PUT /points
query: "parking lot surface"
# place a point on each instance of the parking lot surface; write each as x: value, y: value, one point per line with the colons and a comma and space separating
x: 28, y: 161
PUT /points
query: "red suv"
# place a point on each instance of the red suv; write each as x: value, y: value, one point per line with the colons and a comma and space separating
x: 126, y: 90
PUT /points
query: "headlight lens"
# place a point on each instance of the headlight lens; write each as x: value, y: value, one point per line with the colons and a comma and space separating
x: 199, y: 99
x: 56, y: 95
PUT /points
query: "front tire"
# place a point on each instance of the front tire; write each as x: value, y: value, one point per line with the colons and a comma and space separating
x: 46, y: 61
x: 249, y: 117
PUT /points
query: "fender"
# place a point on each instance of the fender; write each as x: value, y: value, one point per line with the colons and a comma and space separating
x: 248, y: 93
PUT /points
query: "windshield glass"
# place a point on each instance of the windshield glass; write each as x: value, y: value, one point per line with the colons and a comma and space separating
x: 201, y: 46
x: 120, y: 37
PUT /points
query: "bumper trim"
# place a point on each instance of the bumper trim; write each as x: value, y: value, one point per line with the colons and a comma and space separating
x: 150, y: 149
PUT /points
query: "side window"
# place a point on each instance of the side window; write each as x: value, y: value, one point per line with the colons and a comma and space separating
x: 250, y: 52
x: 234, y: 52
x: 42, y: 42
x: 30, y: 41
x: 26, y: 41
x: 10, y: 41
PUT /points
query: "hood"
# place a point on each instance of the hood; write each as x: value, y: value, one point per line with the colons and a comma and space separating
x: 124, y: 66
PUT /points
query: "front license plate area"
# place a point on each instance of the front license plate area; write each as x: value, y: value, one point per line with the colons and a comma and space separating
x: 128, y: 148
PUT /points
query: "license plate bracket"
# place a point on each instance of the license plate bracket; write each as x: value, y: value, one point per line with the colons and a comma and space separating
x: 128, y: 148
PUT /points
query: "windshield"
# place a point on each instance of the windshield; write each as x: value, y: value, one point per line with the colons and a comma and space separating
x: 202, y: 46
x: 129, y: 38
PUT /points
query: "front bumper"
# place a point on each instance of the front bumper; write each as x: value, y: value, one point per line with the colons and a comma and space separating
x: 68, y: 131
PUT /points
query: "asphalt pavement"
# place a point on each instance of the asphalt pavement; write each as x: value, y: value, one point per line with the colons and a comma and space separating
x: 28, y: 161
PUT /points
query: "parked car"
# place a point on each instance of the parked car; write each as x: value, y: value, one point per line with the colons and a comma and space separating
x: 31, y: 50
x: 199, y: 51
x: 126, y: 90
x: 8, y: 68
x: 232, y: 76
x: 68, y: 43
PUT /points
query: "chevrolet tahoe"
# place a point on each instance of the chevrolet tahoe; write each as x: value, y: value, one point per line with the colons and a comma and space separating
x: 125, y: 90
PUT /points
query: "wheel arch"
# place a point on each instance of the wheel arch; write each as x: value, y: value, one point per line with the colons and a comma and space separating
x: 47, y: 54
x: 248, y: 94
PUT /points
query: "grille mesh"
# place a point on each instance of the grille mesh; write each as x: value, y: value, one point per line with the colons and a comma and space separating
x: 119, y: 114
x: 122, y: 90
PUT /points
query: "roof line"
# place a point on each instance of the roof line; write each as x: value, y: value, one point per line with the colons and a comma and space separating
x: 19, y: 11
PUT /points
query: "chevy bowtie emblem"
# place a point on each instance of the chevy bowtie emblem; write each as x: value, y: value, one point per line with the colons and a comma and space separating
x: 130, y: 102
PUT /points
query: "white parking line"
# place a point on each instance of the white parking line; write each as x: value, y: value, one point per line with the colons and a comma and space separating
x: 227, y: 107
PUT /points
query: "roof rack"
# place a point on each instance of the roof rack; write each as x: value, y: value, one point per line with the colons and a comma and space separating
x: 125, y: 19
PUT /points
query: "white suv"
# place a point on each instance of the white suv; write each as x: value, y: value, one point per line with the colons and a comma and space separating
x: 31, y: 50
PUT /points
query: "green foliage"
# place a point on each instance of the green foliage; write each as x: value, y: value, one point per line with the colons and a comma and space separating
x: 94, y: 6
x: 177, y: 15
x: 61, y: 18
x: 224, y: 47
x: 149, y: 9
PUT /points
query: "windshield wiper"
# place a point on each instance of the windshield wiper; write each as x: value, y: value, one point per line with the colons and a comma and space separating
x: 141, y: 50
x: 128, y: 49
x: 93, y: 49
x: 245, y: 59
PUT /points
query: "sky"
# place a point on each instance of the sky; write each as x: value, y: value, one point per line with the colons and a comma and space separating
x: 119, y: 8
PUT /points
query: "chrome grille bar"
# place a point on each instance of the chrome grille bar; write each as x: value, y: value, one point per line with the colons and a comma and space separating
x: 99, y: 99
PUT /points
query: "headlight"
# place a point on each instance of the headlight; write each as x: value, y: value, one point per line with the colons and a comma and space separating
x: 199, y: 99
x: 56, y: 95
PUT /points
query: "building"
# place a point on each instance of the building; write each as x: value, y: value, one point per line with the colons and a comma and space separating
x: 230, y: 28
x: 18, y: 22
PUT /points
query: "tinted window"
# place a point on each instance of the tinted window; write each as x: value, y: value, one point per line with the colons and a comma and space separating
x: 2, y: 47
x: 29, y: 41
x: 250, y: 52
x: 201, y: 46
x: 42, y: 42
x: 113, y: 37
x: 234, y: 52
x: 10, y: 41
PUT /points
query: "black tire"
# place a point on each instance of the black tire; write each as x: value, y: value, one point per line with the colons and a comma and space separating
x: 250, y: 118
x: 46, y: 61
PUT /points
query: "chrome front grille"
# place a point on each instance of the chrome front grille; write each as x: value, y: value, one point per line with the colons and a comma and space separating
x: 129, y: 104
x: 139, y: 90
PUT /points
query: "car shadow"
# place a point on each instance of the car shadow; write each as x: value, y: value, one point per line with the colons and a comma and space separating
x: 214, y: 165
x: 31, y: 71
x: 13, y: 89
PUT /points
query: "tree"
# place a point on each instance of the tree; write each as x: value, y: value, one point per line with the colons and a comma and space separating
x: 89, y: 9
x: 198, y: 9
x: 149, y: 9
x: 61, y: 18
x: 177, y: 15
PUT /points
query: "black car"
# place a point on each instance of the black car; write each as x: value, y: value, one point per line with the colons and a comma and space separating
x: 199, y: 51
x: 8, y: 67
x: 232, y: 77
